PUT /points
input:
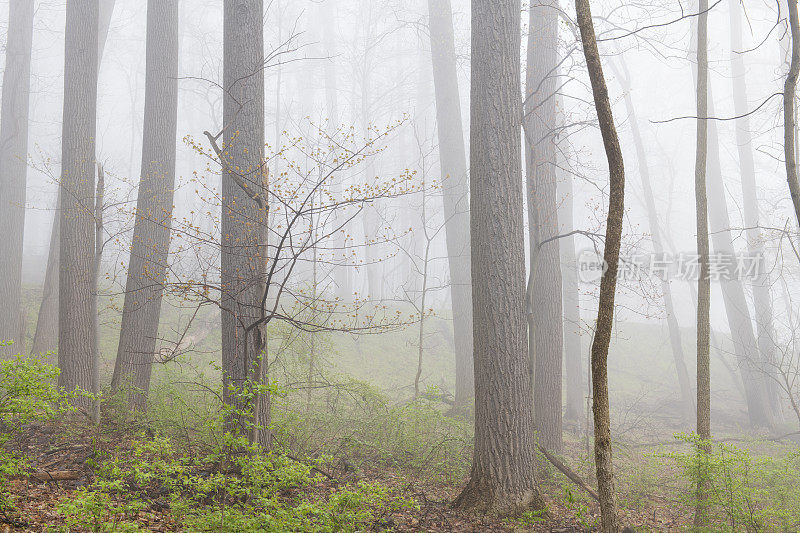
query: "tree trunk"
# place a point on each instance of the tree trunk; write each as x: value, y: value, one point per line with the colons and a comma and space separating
x: 546, y: 335
x: 14, y: 168
x: 687, y: 399
x: 736, y: 308
x: 608, y: 283
x: 147, y: 266
x: 703, y: 251
x: 502, y: 477
x: 243, y: 219
x: 762, y: 297
x: 341, y: 273
x: 789, y: 119
x: 455, y: 189
x: 46, y: 335
x: 571, y: 300
x: 77, y: 356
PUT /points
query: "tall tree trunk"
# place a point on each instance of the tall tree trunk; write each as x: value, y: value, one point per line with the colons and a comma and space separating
x: 77, y: 356
x: 341, y: 273
x: 574, y: 368
x: 703, y: 251
x: 608, y: 283
x: 243, y: 219
x: 14, y: 168
x: 736, y: 308
x: 762, y: 297
x: 739, y: 320
x: 46, y: 335
x: 789, y: 118
x: 455, y: 189
x: 502, y: 478
x: 545, y: 325
x: 687, y: 400
x: 370, y: 218
x: 147, y: 266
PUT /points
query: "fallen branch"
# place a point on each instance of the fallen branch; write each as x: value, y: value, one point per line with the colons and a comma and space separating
x: 564, y: 469
x: 58, y: 475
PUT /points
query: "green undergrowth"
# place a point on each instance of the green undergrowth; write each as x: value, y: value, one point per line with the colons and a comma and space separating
x: 235, y: 488
x: 28, y: 393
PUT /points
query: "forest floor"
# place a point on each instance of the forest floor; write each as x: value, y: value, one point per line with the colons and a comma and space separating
x: 71, y: 453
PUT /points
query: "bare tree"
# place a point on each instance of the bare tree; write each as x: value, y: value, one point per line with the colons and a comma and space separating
x: 608, y: 284
x: 762, y: 297
x: 502, y: 477
x: 740, y: 322
x: 455, y: 188
x: 14, y: 166
x: 77, y: 355
x: 147, y: 266
x: 342, y: 276
x: 687, y: 400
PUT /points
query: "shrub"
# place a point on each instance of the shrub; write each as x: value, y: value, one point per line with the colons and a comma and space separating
x: 746, y: 493
x: 235, y: 488
x: 28, y: 393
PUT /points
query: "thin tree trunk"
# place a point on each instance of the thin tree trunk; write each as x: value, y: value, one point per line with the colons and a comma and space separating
x: 14, y: 112
x: 740, y: 322
x: 502, y: 477
x: 99, y: 242
x: 762, y: 297
x: 147, y: 266
x: 341, y: 273
x: 571, y: 301
x: 455, y: 189
x: 608, y: 283
x: 736, y: 307
x: 77, y: 356
x: 789, y: 119
x: 422, y: 307
x: 46, y: 337
x: 545, y: 338
x: 703, y: 250
x: 243, y: 219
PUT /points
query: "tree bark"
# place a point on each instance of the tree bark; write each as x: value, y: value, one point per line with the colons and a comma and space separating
x: 703, y: 251
x: 14, y: 112
x: 545, y: 336
x: 789, y: 119
x: 46, y: 335
x: 608, y: 283
x: 77, y: 355
x: 502, y: 478
x: 243, y: 219
x: 147, y: 266
x: 455, y: 190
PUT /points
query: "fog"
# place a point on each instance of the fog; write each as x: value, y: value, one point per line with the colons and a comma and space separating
x: 379, y: 248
